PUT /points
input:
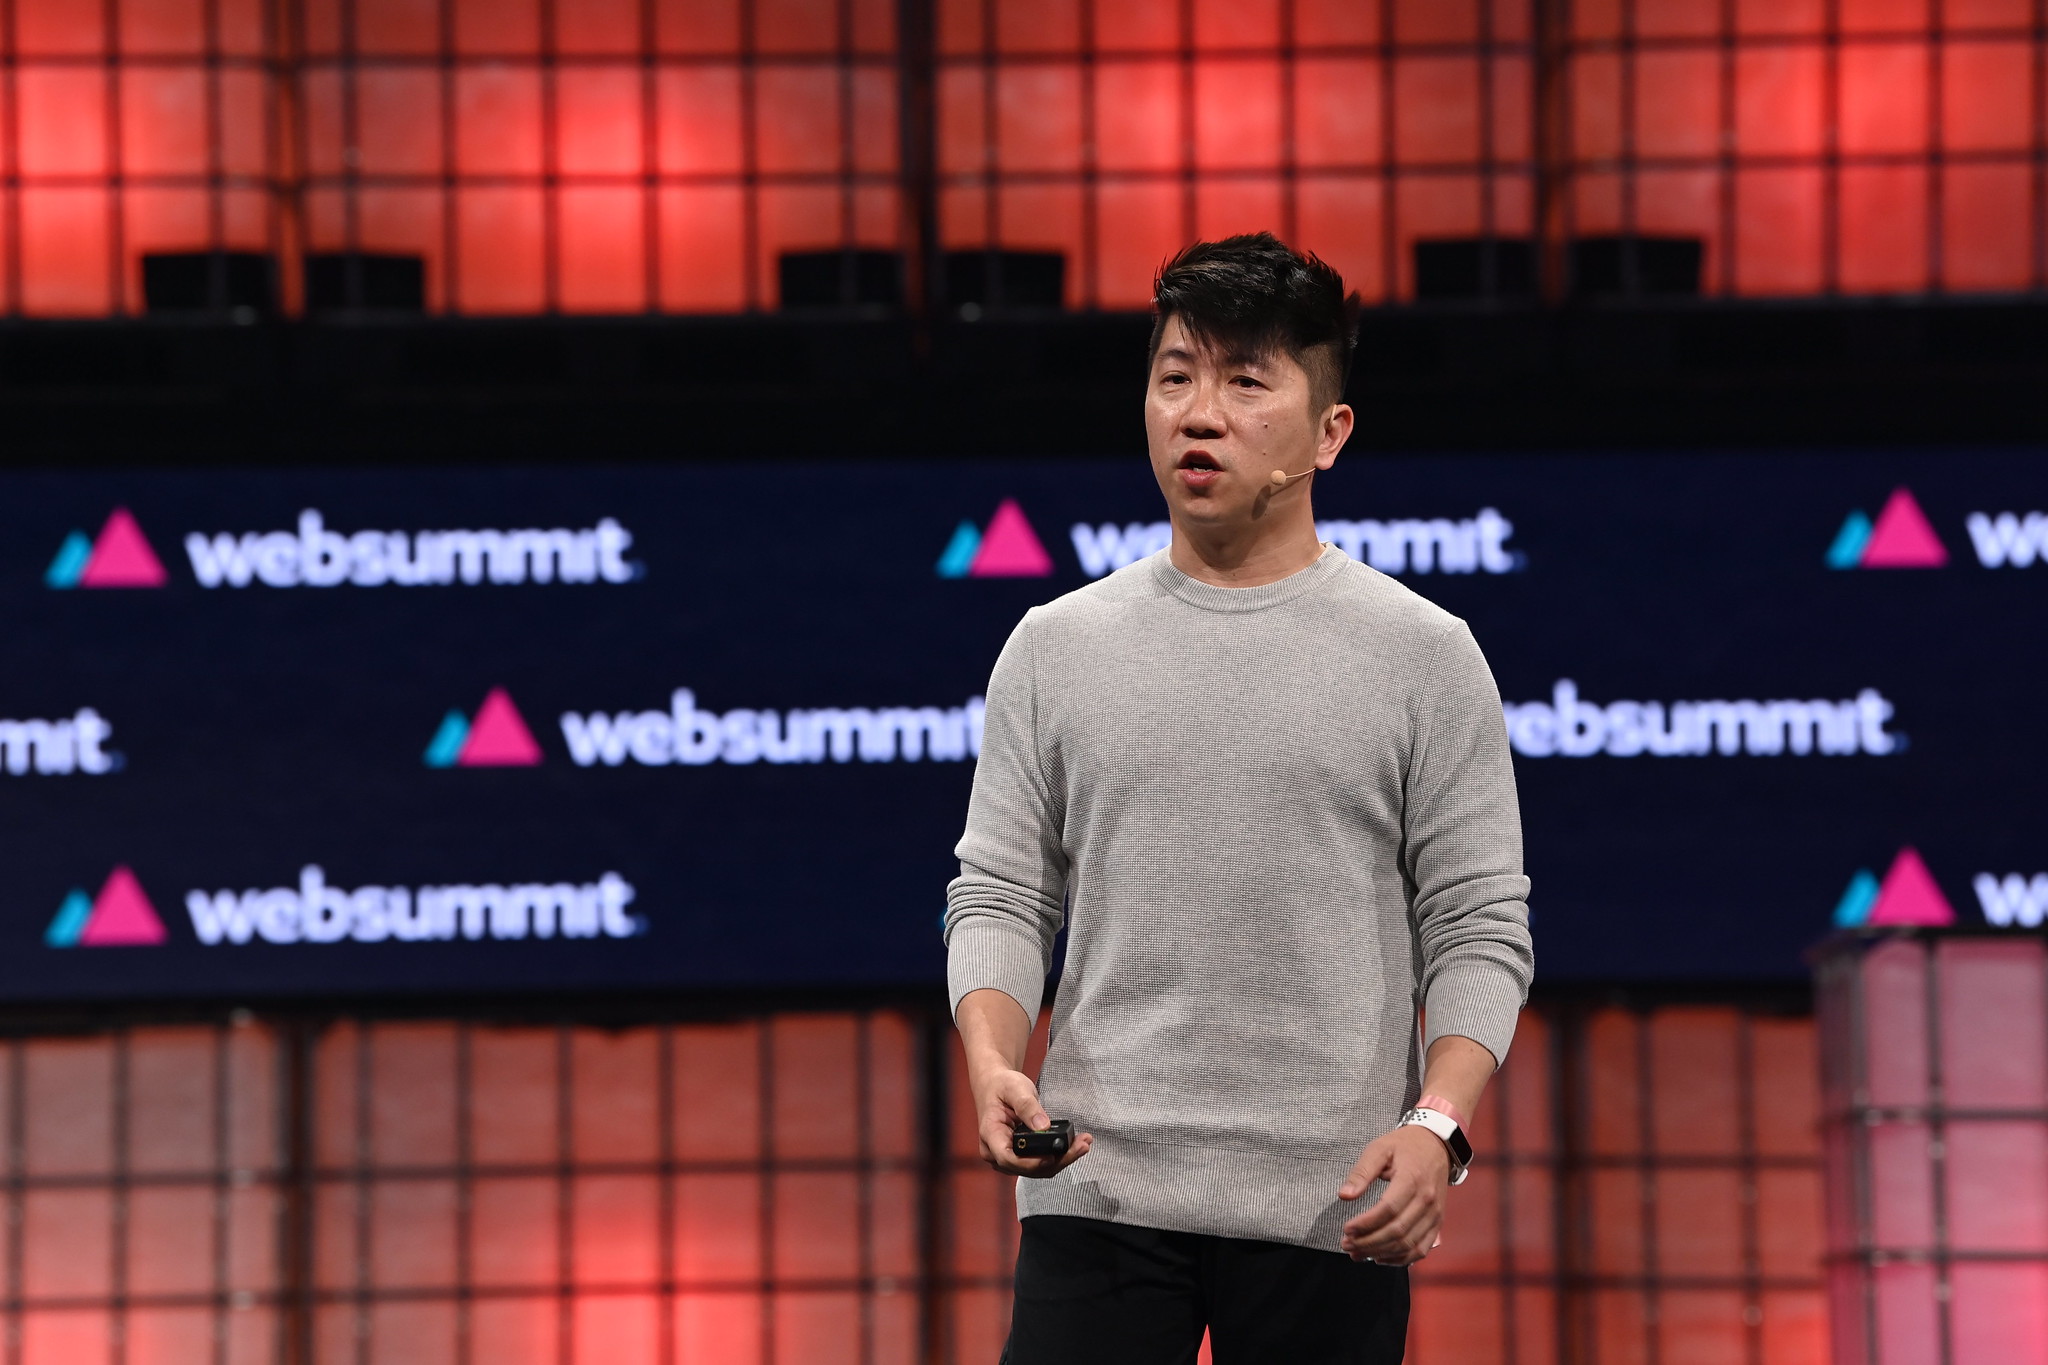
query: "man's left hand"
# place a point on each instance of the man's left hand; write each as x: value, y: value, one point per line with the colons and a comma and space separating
x: 1402, y: 1227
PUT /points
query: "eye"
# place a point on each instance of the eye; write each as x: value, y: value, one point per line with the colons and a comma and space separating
x: 1247, y: 381
x: 1173, y: 377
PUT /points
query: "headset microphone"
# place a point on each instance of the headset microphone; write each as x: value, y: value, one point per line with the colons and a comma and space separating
x: 1281, y: 478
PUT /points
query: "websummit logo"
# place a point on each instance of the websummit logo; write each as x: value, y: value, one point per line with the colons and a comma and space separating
x: 1009, y: 548
x: 119, y: 917
x: 120, y: 558
x: 1907, y: 895
x: 497, y: 738
x: 1900, y: 538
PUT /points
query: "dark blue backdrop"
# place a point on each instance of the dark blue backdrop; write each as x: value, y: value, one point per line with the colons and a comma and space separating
x: 257, y: 730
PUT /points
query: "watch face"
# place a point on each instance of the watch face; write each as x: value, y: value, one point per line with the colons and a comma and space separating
x: 1455, y: 1139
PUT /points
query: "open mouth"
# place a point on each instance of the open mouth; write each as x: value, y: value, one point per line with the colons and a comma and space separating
x: 1200, y: 459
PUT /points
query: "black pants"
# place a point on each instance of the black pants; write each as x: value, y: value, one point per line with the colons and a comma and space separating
x: 1096, y: 1293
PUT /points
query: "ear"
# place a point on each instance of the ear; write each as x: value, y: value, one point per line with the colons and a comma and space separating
x: 1336, y: 430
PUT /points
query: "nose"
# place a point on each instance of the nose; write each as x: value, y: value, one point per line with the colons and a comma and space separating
x: 1202, y: 420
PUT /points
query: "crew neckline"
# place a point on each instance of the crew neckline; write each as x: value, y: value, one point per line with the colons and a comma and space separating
x: 1209, y: 597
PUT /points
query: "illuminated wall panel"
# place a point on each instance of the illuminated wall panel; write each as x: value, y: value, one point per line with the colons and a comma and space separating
x: 605, y: 1193
x: 1937, y: 1123
x: 625, y: 156
x: 1861, y: 148
x: 1175, y: 120
x: 439, y: 1192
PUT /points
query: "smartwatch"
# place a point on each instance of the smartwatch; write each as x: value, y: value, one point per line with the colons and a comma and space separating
x: 1446, y: 1128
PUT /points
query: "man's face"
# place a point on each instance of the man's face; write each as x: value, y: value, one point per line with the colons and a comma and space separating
x: 1219, y: 425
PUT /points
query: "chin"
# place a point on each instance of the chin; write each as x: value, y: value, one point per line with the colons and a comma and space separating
x: 1203, y: 508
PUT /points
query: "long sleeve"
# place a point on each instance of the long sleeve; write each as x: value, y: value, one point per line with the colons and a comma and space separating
x: 1006, y: 906
x: 1463, y: 852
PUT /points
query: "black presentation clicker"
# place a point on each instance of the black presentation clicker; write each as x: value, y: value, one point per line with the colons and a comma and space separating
x: 1053, y: 1140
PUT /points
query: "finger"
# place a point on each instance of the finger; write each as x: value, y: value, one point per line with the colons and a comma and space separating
x: 1372, y: 1163
x: 1074, y: 1153
x: 998, y: 1152
x: 1390, y: 1221
x: 1020, y: 1097
x: 1413, y: 1233
x: 1394, y: 1201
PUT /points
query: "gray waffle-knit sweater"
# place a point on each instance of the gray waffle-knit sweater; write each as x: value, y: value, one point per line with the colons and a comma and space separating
x: 1279, y: 818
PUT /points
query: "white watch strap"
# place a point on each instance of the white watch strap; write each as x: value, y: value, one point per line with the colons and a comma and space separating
x: 1443, y: 1125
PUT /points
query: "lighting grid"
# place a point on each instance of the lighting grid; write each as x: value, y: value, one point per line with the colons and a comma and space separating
x: 770, y: 1189
x: 661, y: 156
x: 1936, y: 1106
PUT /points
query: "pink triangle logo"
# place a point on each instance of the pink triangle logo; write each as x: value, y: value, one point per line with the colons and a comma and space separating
x: 1010, y: 548
x: 121, y: 557
x: 498, y: 737
x: 1909, y: 895
x: 1901, y: 537
x: 122, y: 915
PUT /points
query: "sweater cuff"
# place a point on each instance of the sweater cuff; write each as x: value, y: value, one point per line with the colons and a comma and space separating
x: 982, y: 955
x: 1476, y: 1000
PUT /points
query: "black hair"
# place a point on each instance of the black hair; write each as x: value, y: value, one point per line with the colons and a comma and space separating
x: 1252, y: 294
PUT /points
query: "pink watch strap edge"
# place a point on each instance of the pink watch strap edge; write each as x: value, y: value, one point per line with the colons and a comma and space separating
x: 1446, y: 1108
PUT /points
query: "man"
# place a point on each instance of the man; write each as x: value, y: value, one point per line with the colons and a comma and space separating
x: 1269, y: 789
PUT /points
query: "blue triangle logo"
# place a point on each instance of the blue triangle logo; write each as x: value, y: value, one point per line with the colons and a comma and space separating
x: 69, y: 565
x: 960, y: 551
x: 446, y: 745
x: 1853, y: 910
x: 64, y: 931
x: 1847, y: 551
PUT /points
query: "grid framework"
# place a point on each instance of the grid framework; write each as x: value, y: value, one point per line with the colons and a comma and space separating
x: 797, y: 1185
x: 662, y: 156
x: 1936, y: 1106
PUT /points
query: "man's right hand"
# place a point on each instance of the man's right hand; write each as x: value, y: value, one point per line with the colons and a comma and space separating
x: 996, y: 1032
x: 1004, y: 1098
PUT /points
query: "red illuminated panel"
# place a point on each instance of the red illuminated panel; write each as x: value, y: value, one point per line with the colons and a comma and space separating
x: 500, y: 244
x: 1148, y: 219
x: 1238, y: 204
x: 598, y: 121
x: 1780, y: 108
x: 1336, y: 112
x: 1778, y: 246
x: 616, y: 1238
x: 598, y: 28
x: 1883, y: 229
x: 1043, y: 218
x: 388, y: 27
x: 517, y: 1331
x: 703, y: 250
x: 64, y: 1337
x: 603, y: 250
x: 621, y: 1328
x: 1986, y: 95
x: 1987, y: 228
x: 398, y: 121
x: 1678, y: 103
x: 1143, y: 133
x: 697, y: 27
x: 1237, y: 114
x: 496, y: 28
x: 498, y: 120
x: 1437, y: 110
x: 1235, y: 24
x: 1883, y: 97
x: 1038, y: 118
x: 698, y: 120
x: 1341, y: 219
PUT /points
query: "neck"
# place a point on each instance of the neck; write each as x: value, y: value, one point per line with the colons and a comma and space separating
x: 1274, y: 545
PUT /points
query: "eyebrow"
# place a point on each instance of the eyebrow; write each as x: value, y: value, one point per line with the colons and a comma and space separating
x: 1242, y: 359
